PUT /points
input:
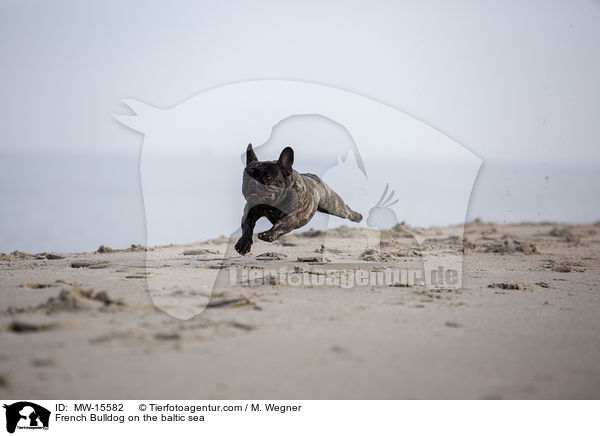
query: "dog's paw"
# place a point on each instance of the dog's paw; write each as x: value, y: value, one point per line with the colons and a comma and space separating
x: 266, y: 236
x: 243, y: 246
x: 356, y: 217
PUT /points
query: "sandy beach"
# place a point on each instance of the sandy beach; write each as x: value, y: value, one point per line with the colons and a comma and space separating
x: 524, y: 324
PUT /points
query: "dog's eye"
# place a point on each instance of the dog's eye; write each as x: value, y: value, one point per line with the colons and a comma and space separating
x: 268, y: 178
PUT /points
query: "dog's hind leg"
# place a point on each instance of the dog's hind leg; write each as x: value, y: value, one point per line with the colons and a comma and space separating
x: 281, y: 227
x: 332, y: 204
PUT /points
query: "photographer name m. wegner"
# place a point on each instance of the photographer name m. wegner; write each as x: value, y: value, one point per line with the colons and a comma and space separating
x: 343, y: 278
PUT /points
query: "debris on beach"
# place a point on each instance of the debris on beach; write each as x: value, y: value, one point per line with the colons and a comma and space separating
x: 223, y: 302
x: 199, y: 252
x: 42, y: 362
x: 104, y: 249
x: 453, y: 324
x: 93, y: 264
x: 71, y: 300
x: 49, y: 256
x: 136, y: 248
x: 271, y: 256
x: 132, y: 249
x: 22, y: 326
x: 312, y: 259
x: 564, y: 266
x: 20, y: 255
x: 66, y: 301
x: 167, y: 336
x: 509, y: 286
x: 16, y: 255
x: 36, y: 285
x: 567, y: 234
x: 372, y: 255
x: 449, y: 243
x: 502, y: 246
x: 241, y: 326
x: 324, y: 249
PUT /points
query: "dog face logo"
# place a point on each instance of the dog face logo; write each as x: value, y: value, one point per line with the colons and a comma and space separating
x: 26, y: 415
x: 191, y: 166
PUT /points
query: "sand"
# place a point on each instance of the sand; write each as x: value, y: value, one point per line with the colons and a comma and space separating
x: 524, y: 324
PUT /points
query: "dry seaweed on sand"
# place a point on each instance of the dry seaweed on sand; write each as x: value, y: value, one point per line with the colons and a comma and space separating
x: 510, y: 286
x: 20, y: 326
x: 502, y: 246
x: 16, y: 255
x: 564, y: 266
x: 270, y: 255
x: 132, y: 248
x: 223, y: 302
x: 71, y: 300
x: 372, y: 255
x: 199, y: 252
x: 567, y: 234
x: 93, y: 264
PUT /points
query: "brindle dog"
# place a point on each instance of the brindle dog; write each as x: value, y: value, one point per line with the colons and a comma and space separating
x: 289, y: 200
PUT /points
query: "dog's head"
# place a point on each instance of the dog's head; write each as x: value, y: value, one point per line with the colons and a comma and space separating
x: 266, y: 182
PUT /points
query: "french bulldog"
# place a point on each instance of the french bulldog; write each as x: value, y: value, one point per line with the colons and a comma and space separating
x: 289, y: 200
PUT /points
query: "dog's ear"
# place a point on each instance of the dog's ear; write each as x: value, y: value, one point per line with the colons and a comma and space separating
x: 286, y: 159
x: 250, y: 155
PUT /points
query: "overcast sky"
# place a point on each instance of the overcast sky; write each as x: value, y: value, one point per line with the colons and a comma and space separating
x: 510, y: 80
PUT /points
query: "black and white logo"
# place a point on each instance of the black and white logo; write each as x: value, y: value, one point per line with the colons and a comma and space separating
x: 26, y: 415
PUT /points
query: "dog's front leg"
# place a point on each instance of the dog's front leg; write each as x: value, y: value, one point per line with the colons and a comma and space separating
x: 251, y: 215
x: 280, y: 228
